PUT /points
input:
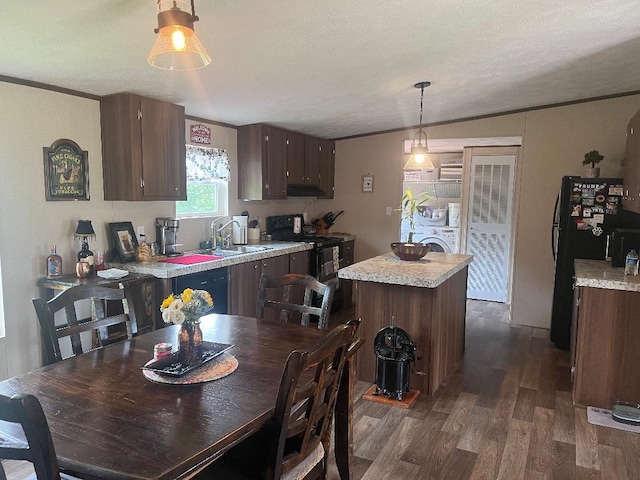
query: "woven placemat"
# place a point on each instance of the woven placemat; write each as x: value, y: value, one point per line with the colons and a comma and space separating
x: 215, y: 369
x: 602, y: 417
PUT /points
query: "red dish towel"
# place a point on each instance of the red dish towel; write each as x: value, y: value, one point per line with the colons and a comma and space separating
x: 189, y: 259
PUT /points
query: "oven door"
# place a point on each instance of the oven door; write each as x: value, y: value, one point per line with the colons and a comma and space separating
x: 327, y: 260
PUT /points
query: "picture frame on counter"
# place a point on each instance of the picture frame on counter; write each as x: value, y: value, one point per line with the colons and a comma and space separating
x: 124, y: 240
x: 66, y: 171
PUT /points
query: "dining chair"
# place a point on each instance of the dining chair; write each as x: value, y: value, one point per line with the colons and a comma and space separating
x: 295, y: 444
x: 98, y: 323
x: 290, y: 284
x: 26, y: 436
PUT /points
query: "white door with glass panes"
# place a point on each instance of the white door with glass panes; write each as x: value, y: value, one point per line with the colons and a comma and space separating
x: 489, y: 225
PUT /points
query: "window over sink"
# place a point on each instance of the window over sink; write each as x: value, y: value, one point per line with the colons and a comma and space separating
x: 208, y: 176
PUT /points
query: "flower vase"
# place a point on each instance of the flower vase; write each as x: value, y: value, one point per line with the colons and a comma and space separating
x: 190, y: 343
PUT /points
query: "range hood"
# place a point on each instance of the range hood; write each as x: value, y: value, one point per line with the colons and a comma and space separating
x: 301, y: 190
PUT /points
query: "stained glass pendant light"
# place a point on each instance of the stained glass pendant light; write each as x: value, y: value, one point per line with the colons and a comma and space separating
x: 177, y: 46
x: 419, y: 158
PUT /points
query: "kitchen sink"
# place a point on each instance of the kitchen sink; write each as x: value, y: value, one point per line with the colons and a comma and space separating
x: 245, y: 248
x: 232, y: 250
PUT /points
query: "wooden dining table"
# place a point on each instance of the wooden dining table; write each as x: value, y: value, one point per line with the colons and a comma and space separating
x: 108, y: 421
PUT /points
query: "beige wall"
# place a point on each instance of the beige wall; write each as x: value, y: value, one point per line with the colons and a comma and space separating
x: 554, y: 143
x: 31, y: 119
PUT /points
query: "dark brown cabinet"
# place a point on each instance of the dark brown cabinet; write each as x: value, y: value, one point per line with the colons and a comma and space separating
x: 244, y: 279
x: 348, y: 259
x: 143, y: 148
x: 631, y: 198
x: 606, y: 352
x: 327, y: 167
x: 262, y: 164
x: 270, y: 159
x: 296, y: 154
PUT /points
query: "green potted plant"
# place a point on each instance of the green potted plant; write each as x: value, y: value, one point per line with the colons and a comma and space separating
x: 409, y: 207
x: 593, y: 157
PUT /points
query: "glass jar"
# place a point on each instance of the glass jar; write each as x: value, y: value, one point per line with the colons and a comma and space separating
x: 190, y: 343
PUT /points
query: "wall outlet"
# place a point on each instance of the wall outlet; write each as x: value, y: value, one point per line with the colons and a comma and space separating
x: 140, y: 230
x: 389, y: 210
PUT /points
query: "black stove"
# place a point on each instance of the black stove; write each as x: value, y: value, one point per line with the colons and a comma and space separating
x: 282, y: 227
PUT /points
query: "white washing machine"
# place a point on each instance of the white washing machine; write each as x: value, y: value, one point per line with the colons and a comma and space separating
x: 442, y: 238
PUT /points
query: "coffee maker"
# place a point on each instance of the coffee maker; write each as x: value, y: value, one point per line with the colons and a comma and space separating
x: 167, y: 236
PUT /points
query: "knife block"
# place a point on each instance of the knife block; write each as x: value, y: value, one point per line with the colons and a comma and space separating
x: 321, y: 227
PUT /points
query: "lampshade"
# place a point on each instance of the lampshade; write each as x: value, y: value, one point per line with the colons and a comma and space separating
x: 84, y: 230
x: 177, y: 46
x: 419, y: 158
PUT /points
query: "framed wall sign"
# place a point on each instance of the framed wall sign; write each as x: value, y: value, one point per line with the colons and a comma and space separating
x: 367, y: 183
x: 66, y: 171
x: 124, y: 240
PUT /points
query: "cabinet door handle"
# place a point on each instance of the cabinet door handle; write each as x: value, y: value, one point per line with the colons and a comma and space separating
x: 142, y: 183
x: 175, y: 188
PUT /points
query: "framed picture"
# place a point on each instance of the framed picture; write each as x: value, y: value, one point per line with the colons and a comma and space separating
x: 367, y: 183
x: 66, y: 171
x: 124, y: 240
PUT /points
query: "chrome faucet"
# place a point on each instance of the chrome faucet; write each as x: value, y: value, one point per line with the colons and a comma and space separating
x: 215, y: 229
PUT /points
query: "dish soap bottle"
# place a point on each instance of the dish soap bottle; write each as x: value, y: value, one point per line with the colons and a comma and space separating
x: 631, y: 263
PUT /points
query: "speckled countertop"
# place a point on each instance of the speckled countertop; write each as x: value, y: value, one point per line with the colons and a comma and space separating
x: 429, y: 272
x: 170, y: 270
x: 600, y: 274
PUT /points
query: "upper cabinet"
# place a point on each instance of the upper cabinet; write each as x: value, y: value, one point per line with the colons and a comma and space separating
x: 262, y: 173
x: 143, y: 148
x: 327, y: 167
x: 631, y: 198
x: 271, y: 159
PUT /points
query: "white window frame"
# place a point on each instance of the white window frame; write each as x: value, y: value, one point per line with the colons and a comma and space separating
x: 222, y: 191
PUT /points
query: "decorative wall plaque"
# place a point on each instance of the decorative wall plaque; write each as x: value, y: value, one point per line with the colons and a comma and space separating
x: 200, y: 134
x: 66, y: 171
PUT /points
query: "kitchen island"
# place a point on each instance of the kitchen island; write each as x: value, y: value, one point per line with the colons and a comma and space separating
x: 604, y: 335
x: 427, y: 298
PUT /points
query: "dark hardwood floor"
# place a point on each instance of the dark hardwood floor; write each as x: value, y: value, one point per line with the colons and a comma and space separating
x: 507, y: 414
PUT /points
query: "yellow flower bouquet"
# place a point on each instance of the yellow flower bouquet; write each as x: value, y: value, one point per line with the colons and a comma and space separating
x: 186, y: 307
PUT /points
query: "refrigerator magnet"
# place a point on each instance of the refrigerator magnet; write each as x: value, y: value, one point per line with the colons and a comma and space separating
x: 615, y: 190
x: 598, y: 218
x: 576, y: 211
x: 587, y: 201
x: 586, y: 212
x: 600, y: 198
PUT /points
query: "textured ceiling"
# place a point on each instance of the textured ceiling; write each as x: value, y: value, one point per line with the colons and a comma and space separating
x: 336, y: 68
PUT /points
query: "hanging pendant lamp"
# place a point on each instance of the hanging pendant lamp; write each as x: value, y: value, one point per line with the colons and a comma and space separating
x: 419, y: 158
x: 177, y: 46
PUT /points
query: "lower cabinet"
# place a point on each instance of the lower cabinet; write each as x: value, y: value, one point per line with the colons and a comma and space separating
x: 606, y: 353
x: 245, y: 277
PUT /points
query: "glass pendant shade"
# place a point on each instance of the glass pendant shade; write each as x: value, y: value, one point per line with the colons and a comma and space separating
x: 419, y: 158
x: 177, y: 46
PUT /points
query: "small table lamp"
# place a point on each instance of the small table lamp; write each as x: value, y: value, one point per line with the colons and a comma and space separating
x: 84, y: 231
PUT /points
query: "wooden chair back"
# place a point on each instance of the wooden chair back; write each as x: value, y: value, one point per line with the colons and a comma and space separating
x: 306, y: 400
x: 288, y: 284
x: 98, y: 323
x: 26, y: 436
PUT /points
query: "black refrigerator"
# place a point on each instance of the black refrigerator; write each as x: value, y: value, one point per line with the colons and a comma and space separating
x: 586, y: 211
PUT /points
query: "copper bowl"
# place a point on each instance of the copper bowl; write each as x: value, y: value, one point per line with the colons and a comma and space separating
x: 410, y: 251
